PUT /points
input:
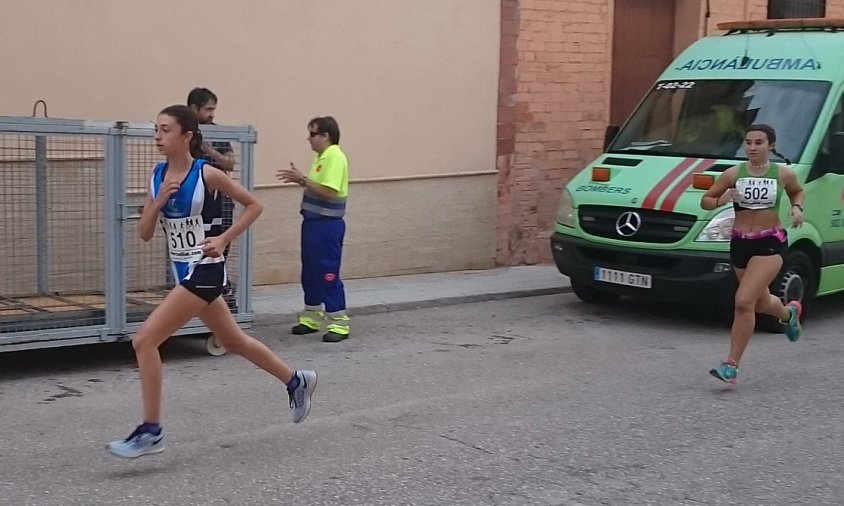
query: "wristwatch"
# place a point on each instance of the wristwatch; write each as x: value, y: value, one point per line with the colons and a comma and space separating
x: 798, y: 206
x: 303, y: 182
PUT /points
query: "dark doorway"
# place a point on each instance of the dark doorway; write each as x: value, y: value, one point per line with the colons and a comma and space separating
x: 643, y: 45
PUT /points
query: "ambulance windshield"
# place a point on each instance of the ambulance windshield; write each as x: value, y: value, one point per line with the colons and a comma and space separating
x: 707, y: 119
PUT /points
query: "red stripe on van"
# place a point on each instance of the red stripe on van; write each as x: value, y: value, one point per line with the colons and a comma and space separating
x: 674, y: 195
x: 653, y: 195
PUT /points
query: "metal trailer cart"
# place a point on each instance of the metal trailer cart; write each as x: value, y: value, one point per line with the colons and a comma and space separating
x: 73, y: 269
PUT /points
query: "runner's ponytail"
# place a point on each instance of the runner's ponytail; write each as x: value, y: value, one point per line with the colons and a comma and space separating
x: 777, y: 153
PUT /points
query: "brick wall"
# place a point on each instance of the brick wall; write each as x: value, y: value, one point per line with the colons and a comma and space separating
x: 508, y: 211
x: 732, y: 10
x: 554, y: 106
x: 756, y: 9
x: 835, y: 8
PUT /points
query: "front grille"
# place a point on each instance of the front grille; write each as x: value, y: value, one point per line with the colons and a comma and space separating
x: 624, y: 259
x: 656, y: 226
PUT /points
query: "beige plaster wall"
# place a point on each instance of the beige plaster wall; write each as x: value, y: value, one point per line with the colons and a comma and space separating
x: 413, y: 84
x: 395, y: 226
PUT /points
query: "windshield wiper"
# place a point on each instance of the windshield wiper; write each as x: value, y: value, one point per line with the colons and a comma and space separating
x: 647, y: 145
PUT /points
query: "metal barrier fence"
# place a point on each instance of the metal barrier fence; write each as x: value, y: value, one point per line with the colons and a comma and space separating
x: 73, y: 269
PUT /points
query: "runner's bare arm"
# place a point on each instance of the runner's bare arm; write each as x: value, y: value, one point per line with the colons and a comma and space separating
x: 712, y: 198
x: 795, y: 195
x: 792, y: 186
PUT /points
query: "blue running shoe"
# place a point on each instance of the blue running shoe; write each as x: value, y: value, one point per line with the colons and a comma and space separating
x: 727, y: 372
x: 300, y: 397
x: 138, y: 443
x: 792, y: 326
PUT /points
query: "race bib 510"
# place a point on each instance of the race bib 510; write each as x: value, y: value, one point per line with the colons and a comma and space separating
x: 184, y: 236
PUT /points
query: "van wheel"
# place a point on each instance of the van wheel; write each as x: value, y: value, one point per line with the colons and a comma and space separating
x: 796, y: 281
x: 592, y: 295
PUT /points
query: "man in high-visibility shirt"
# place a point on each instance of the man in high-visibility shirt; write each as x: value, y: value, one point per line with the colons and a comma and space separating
x: 323, y: 207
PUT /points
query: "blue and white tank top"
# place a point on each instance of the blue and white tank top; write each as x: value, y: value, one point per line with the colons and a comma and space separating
x: 192, y: 214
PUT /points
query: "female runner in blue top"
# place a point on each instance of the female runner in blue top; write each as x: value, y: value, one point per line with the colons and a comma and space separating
x: 184, y: 196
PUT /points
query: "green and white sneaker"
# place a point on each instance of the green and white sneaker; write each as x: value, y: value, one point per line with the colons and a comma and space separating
x: 727, y: 371
x: 792, y: 326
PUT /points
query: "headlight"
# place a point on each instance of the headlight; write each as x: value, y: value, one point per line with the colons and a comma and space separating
x: 565, y: 212
x: 719, y: 228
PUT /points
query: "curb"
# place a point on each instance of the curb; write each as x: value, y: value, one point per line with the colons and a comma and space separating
x: 263, y: 320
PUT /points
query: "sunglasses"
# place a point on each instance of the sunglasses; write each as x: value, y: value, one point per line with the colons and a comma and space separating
x: 311, y: 133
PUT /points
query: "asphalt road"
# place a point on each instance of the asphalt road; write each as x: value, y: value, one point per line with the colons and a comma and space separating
x: 540, y: 400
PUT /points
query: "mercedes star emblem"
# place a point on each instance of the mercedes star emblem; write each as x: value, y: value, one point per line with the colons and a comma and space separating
x: 628, y: 223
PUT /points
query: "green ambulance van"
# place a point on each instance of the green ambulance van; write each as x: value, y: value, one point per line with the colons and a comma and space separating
x: 631, y: 223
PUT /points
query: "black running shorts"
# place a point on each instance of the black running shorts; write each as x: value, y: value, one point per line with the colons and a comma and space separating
x: 742, y: 250
x: 207, y: 281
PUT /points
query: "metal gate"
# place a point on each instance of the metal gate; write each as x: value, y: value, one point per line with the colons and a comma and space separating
x: 73, y: 269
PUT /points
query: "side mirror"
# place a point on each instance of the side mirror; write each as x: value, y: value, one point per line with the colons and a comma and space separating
x: 610, y: 133
x: 836, y: 152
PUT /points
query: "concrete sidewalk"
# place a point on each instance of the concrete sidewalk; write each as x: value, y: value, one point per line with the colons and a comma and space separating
x: 278, y: 303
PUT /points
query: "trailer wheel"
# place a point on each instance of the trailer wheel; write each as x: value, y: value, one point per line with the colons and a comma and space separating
x: 213, y: 346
